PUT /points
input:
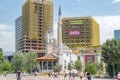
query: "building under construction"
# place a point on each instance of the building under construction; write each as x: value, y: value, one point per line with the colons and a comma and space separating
x: 81, y: 34
x: 37, y: 16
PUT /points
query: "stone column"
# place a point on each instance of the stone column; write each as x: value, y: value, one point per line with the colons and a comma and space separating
x: 38, y: 66
x: 42, y: 66
x: 52, y: 65
x: 47, y: 65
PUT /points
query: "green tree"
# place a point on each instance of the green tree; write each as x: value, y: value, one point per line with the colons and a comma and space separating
x: 1, y: 57
x: 99, y: 67
x: 91, y: 68
x: 70, y: 66
x: 30, y: 61
x: 78, y: 65
x: 118, y: 68
x: 1, y: 60
x: 109, y: 69
x: 57, y: 68
x: 17, y: 61
x: 6, y: 66
x: 111, y: 53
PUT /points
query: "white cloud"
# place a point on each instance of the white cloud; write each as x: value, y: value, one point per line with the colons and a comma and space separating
x: 107, y: 26
x: 3, y: 27
x: 115, y: 1
x: 7, y: 37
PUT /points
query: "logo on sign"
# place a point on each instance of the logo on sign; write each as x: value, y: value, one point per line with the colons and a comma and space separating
x: 74, y: 33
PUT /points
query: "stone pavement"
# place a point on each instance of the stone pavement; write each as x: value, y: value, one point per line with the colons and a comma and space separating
x: 32, y: 77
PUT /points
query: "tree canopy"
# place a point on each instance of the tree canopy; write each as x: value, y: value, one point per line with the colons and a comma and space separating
x: 30, y: 60
x: 6, y: 66
x: 91, y: 68
x: 57, y: 68
x: 70, y: 67
x: 1, y: 56
x: 24, y: 61
x: 111, y: 51
x: 78, y: 65
x: 17, y: 61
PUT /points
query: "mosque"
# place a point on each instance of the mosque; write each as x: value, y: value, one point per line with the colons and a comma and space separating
x: 57, y: 52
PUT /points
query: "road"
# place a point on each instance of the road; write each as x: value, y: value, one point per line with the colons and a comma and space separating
x: 32, y: 77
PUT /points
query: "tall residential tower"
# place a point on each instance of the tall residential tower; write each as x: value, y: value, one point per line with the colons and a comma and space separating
x: 18, y: 29
x: 37, y: 16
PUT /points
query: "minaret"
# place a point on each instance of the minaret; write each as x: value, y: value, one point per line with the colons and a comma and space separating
x: 59, y: 31
x: 49, y: 41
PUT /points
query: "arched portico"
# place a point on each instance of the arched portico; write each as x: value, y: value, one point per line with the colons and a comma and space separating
x: 46, y: 63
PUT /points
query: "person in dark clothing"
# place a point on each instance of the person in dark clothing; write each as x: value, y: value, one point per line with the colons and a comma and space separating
x: 88, y: 76
x: 70, y: 75
x: 5, y: 74
x: 65, y: 76
x: 35, y: 73
x: 49, y: 74
x: 73, y: 75
x: 18, y: 75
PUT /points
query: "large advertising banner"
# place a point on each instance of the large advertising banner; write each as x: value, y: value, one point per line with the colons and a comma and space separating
x: 76, y: 22
x: 74, y: 32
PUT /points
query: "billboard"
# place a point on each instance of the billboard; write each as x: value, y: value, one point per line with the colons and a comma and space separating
x: 74, y: 32
x: 76, y: 21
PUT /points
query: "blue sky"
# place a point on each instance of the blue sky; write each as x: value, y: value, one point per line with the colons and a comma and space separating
x: 105, y: 12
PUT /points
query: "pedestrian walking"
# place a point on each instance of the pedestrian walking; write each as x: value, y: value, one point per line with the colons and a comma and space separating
x: 24, y: 74
x: 81, y: 75
x: 118, y: 76
x: 49, y: 74
x: 70, y: 75
x: 65, y: 76
x: 5, y: 74
x: 35, y: 73
x: 73, y: 75
x: 55, y: 74
x: 85, y: 75
x: 88, y: 76
x: 18, y: 75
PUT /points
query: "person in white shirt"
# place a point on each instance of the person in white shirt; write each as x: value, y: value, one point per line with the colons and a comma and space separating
x: 81, y: 75
x: 118, y: 76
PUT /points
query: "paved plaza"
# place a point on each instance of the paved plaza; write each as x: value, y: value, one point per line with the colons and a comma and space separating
x: 32, y: 77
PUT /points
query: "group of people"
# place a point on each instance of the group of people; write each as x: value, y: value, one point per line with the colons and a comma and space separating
x: 81, y: 75
x: 53, y: 74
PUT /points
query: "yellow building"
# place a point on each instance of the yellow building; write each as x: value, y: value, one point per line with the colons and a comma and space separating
x: 37, y: 16
x: 81, y: 34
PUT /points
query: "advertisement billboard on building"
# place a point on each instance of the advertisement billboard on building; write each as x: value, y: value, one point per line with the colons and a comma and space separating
x: 74, y: 32
x: 76, y: 21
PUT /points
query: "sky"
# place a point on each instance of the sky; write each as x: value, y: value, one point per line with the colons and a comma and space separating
x: 105, y: 12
